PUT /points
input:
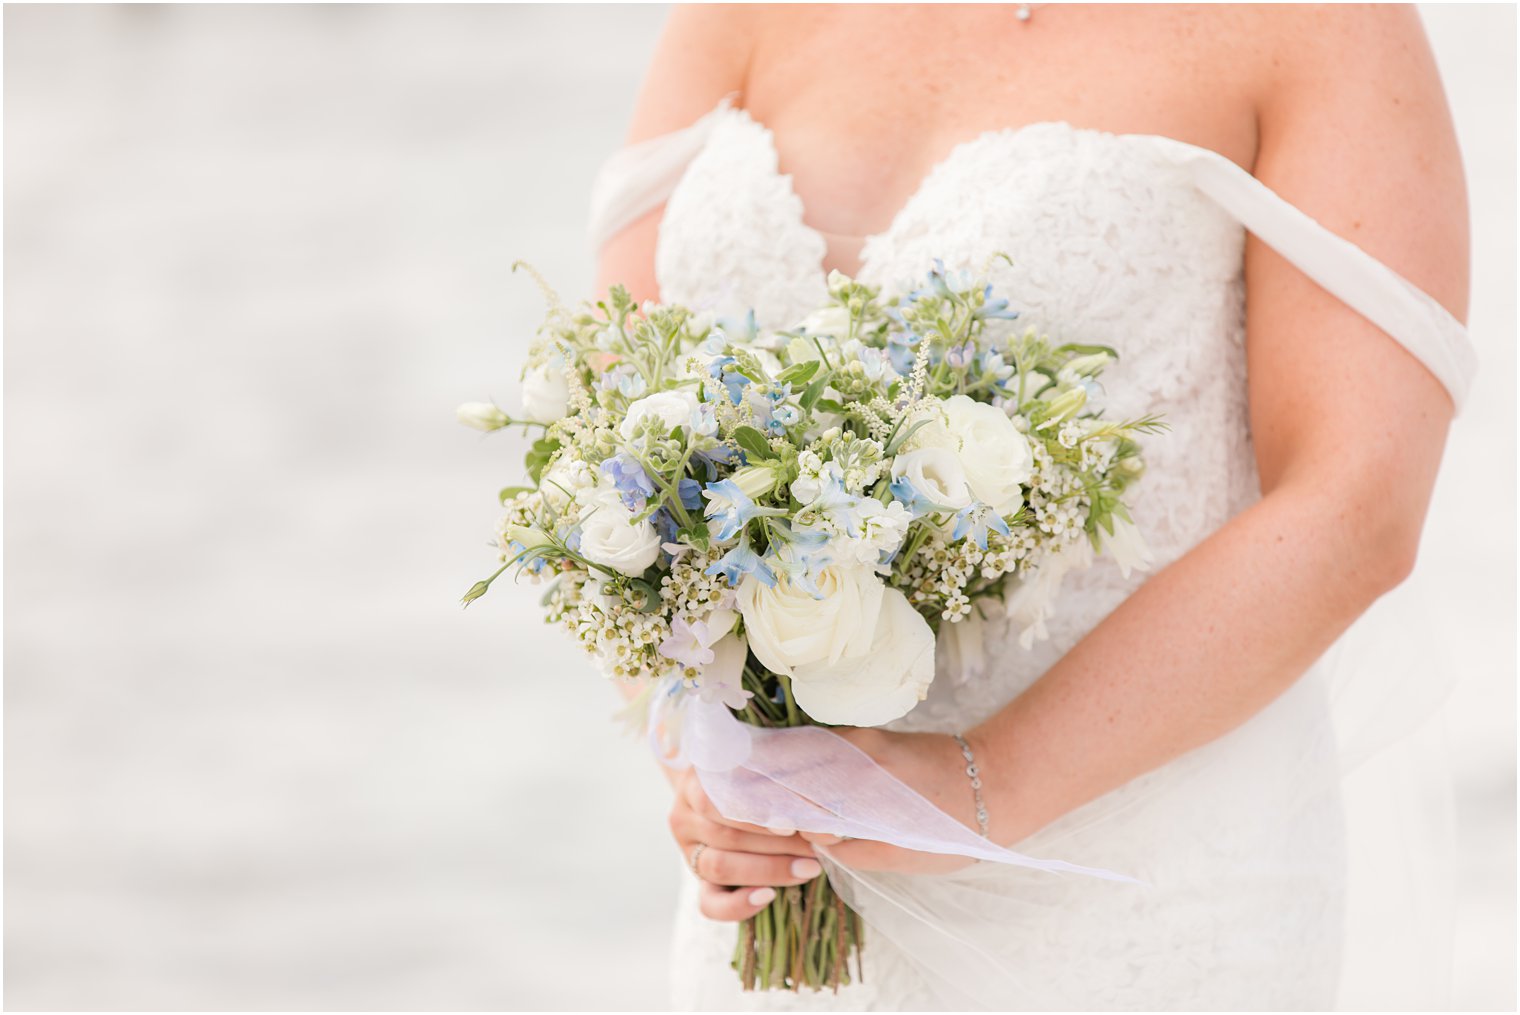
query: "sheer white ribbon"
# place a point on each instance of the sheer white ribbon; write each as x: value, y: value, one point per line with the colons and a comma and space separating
x: 812, y: 780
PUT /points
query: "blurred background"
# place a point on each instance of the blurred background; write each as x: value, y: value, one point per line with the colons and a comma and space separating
x: 256, y: 757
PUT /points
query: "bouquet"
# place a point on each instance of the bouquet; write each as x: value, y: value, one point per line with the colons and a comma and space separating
x: 784, y: 522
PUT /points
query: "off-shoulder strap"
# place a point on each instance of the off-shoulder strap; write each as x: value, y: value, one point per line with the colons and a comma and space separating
x: 637, y: 179
x: 1396, y: 305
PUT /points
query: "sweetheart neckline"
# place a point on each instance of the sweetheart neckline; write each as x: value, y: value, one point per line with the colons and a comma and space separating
x: 956, y: 151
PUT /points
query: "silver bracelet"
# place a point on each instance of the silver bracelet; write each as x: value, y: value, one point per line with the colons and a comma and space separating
x: 975, y: 775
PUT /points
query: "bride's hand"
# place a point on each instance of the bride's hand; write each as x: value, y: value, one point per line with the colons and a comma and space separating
x: 740, y: 865
x: 931, y: 764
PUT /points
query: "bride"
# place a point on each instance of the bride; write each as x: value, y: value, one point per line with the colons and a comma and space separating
x: 1148, y: 169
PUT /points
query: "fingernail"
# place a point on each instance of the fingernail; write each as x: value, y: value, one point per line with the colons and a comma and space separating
x: 761, y: 896
x: 782, y: 831
x: 806, y: 868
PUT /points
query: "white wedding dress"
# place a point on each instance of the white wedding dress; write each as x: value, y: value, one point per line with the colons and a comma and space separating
x: 1133, y: 241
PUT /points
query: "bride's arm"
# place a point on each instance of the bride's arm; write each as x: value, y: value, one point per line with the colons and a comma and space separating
x: 1348, y: 431
x: 703, y: 55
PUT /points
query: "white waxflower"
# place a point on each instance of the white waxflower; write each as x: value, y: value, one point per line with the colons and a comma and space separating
x: 611, y: 536
x: 546, y: 393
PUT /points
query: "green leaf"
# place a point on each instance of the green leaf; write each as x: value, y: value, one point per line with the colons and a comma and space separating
x: 902, y: 438
x: 696, y: 535
x: 753, y: 442
x: 1086, y: 350
x: 652, y: 600
x: 813, y: 393
x: 508, y: 492
x: 828, y: 405
x: 543, y: 449
x: 799, y: 373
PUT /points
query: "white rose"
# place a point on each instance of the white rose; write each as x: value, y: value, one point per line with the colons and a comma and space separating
x: 860, y: 655
x: 885, y: 683
x: 994, y: 454
x: 546, y: 393
x: 936, y: 473
x: 671, y: 408
x: 611, y: 537
x: 787, y: 627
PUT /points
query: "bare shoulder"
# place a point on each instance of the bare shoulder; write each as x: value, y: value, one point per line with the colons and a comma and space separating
x: 703, y: 54
x: 1355, y: 130
x: 1371, y: 53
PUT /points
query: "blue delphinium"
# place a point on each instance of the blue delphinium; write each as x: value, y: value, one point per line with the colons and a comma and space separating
x: 633, y: 484
x: 914, y: 499
x: 733, y: 381
x: 742, y: 560
x: 976, y: 519
x: 992, y: 309
x: 730, y: 508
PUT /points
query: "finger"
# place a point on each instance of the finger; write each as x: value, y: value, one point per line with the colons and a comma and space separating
x: 725, y: 867
x: 690, y: 828
x: 821, y: 838
x: 696, y: 798
x: 733, y: 905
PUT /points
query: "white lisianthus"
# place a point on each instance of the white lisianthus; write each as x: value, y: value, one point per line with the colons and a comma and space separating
x: 802, y: 350
x: 546, y: 393
x: 993, y: 452
x: 858, y: 654
x: 509, y: 531
x: 611, y: 537
x: 671, y: 408
x: 936, y: 472
x: 830, y: 320
x: 722, y: 679
x: 567, y: 479
x: 769, y: 361
x: 1126, y: 545
x: 481, y: 416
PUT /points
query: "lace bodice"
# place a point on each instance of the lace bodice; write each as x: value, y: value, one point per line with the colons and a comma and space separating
x: 1136, y: 242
